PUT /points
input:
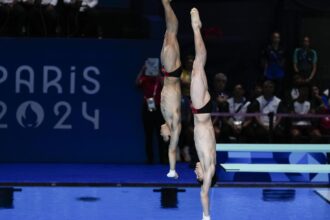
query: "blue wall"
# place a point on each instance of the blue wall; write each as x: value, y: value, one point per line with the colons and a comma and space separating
x: 105, y: 68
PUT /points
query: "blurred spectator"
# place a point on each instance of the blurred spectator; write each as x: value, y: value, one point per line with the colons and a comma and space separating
x: 186, y: 138
x: 303, y: 126
x: 151, y: 86
x: 325, y: 109
x: 256, y: 92
x: 12, y: 18
x: 186, y: 76
x: 69, y: 19
x: 266, y: 104
x: 43, y: 17
x: 81, y: 17
x: 235, y: 126
x: 305, y: 61
x: 273, y: 63
x: 317, y: 99
x: 326, y: 98
x: 219, y: 96
x: 297, y: 82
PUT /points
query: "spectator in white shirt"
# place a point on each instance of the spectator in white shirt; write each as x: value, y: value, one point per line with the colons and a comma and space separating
x: 12, y: 18
x: 297, y: 82
x: 235, y: 125
x: 81, y: 18
x: 265, y: 129
x: 303, y: 126
x: 219, y: 97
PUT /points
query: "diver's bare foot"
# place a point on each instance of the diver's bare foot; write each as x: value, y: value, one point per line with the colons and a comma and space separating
x: 165, y: 132
x: 199, y: 172
x: 195, y: 19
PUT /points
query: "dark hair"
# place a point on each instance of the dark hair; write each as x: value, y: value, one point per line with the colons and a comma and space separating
x: 240, y: 84
x: 307, y: 89
x: 269, y: 82
x: 306, y: 36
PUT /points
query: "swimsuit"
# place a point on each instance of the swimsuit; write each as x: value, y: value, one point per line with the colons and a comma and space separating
x: 176, y: 73
x: 204, y: 110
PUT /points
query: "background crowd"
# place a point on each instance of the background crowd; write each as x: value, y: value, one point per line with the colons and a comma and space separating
x: 49, y: 18
x: 279, y: 90
x: 281, y: 79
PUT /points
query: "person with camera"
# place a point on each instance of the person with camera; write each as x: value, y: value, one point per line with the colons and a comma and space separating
x: 150, y: 83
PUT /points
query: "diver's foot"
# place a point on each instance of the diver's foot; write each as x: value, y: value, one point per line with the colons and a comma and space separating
x: 195, y: 19
x: 206, y: 217
x: 172, y: 174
